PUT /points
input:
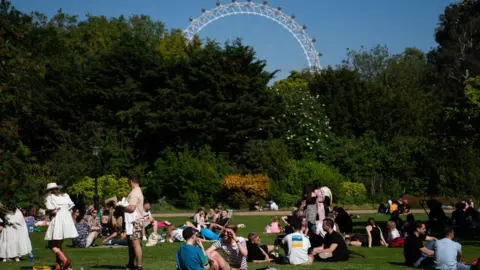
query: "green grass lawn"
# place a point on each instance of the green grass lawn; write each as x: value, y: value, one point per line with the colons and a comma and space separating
x: 163, y: 256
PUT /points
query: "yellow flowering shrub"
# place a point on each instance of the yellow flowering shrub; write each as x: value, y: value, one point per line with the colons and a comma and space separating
x: 252, y: 185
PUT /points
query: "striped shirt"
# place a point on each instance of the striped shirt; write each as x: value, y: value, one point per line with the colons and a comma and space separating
x: 234, y: 257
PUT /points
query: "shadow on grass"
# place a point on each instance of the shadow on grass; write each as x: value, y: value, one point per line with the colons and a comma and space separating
x: 108, y: 267
x: 397, y: 263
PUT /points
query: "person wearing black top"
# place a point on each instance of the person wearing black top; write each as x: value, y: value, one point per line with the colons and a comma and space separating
x: 221, y: 222
x: 256, y: 251
x: 415, y: 253
x: 375, y: 236
x: 334, y: 248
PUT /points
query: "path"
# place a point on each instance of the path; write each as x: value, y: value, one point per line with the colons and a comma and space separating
x: 283, y: 213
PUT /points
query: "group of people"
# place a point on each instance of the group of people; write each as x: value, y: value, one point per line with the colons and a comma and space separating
x: 312, y: 232
x: 67, y: 221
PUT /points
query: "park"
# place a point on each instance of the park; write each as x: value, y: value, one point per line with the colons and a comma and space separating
x: 90, y: 100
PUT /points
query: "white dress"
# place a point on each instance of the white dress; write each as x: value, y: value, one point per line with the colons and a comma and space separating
x: 14, y: 239
x: 61, y: 226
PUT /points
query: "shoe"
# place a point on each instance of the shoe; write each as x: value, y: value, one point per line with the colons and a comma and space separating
x: 66, y: 265
x: 139, y: 268
x: 17, y: 259
x: 130, y: 267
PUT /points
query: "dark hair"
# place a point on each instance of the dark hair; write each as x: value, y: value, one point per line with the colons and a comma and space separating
x: 146, y: 202
x: 329, y: 222
x: 448, y: 231
x: 371, y: 221
x: 419, y: 224
x: 307, y: 191
x: 297, y: 225
x: 134, y: 178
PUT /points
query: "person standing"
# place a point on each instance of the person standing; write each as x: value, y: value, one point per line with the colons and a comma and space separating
x: 14, y: 239
x: 134, y: 222
x: 189, y: 256
x: 61, y: 226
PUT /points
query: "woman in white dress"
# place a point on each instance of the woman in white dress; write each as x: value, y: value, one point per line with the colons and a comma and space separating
x: 61, y: 225
x: 14, y: 239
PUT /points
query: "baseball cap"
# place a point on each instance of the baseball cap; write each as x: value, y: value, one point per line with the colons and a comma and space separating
x: 189, y: 232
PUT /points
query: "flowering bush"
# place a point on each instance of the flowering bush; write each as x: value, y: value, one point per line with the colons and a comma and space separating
x: 352, y: 192
x: 252, y: 185
x: 307, y: 126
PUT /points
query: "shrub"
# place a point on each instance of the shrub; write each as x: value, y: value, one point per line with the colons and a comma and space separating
x: 253, y: 185
x: 306, y: 172
x: 108, y: 186
x: 352, y: 193
x: 188, y: 177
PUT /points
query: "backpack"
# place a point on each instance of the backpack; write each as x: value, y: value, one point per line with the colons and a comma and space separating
x: 397, y: 242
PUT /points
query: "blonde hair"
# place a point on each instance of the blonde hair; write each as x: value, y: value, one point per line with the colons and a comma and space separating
x: 391, y: 225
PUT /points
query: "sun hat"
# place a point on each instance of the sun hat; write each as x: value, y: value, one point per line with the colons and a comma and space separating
x: 189, y: 232
x: 52, y: 186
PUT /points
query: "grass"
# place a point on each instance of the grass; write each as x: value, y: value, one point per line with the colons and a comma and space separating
x: 163, y: 256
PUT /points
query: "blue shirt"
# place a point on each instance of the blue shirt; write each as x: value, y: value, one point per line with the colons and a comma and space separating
x: 446, y: 252
x: 190, y: 257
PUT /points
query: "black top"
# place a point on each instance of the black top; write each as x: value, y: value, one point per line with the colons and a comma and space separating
x: 411, y: 249
x: 375, y: 233
x: 222, y: 221
x: 311, y: 200
x: 341, y: 252
x: 315, y: 240
x: 254, y: 252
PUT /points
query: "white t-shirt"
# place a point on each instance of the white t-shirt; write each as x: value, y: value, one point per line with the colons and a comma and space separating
x: 446, y: 252
x: 298, y: 246
x: 392, y: 235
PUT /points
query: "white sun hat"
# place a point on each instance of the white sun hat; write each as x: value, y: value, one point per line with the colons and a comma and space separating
x: 52, y: 186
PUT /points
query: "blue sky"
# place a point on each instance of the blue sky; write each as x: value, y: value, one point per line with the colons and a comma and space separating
x: 337, y: 24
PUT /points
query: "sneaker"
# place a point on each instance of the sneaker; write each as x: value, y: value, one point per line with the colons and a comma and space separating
x: 17, y: 259
x: 130, y: 267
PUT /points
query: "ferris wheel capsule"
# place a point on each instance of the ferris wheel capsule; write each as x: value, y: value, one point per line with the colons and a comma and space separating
x: 304, y: 27
x: 279, y: 7
x: 191, y: 18
x: 265, y: 2
x: 204, y: 10
x: 293, y: 16
x: 249, y: 1
x: 314, y: 39
x: 233, y: 1
x: 218, y: 3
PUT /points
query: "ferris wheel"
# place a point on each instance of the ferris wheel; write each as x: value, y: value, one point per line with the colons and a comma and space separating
x: 275, y: 14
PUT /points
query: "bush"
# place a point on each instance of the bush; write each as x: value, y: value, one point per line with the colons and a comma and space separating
x: 108, y: 186
x: 352, y: 193
x: 187, y: 178
x: 306, y: 172
x: 246, y: 189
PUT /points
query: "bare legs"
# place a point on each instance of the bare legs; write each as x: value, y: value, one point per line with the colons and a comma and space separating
x: 134, y: 252
x: 218, y: 262
x: 56, y: 248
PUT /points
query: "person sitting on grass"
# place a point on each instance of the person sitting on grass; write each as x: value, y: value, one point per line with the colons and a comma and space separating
x: 82, y: 228
x: 149, y: 222
x: 415, y: 253
x: 257, y: 252
x: 95, y: 227
x: 392, y: 233
x: 191, y: 255
x: 375, y: 235
x: 448, y: 253
x: 297, y: 245
x: 334, y: 248
x: 234, y: 247
x: 220, y: 223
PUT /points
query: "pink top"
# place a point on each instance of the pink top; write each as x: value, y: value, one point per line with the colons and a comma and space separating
x: 320, y: 196
x: 275, y: 227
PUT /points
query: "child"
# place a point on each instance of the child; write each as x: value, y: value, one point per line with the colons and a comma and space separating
x: 274, y: 227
